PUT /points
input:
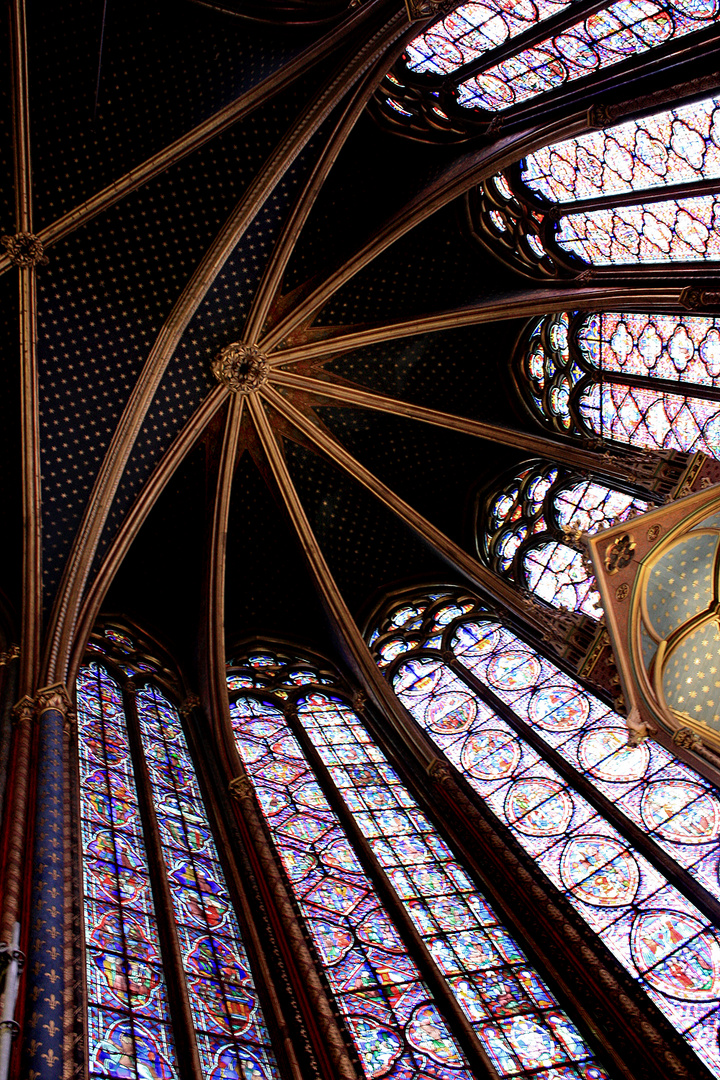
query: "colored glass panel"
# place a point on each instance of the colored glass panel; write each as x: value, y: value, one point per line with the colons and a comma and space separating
x: 607, y: 37
x: 653, y: 931
x: 684, y: 230
x: 128, y: 1016
x: 551, y: 569
x: 472, y: 29
x: 386, y: 1006
x: 514, y: 1014
x: 651, y: 418
x: 556, y: 573
x: 590, y: 506
x: 232, y: 1039
x: 685, y: 348
x: 676, y: 347
x: 673, y: 147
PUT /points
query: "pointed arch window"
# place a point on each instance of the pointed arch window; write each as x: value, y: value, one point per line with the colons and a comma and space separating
x: 485, y: 59
x: 628, y: 834
x: 365, y: 863
x: 522, y: 531
x: 644, y: 379
x: 642, y: 192
x: 140, y: 799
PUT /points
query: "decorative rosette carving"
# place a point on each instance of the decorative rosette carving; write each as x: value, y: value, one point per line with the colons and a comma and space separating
x: 241, y: 367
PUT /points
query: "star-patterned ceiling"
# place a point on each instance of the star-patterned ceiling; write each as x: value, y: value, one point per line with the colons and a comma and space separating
x: 130, y: 299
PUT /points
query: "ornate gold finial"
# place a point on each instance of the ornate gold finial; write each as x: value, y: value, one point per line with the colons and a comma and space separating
x: 24, y: 249
x: 192, y: 701
x: 439, y: 771
x: 241, y: 367
x: 241, y: 787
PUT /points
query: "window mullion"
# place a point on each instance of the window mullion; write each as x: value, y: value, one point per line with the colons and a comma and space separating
x: 688, y: 189
x: 183, y: 1028
x: 635, y: 836
x: 444, y: 998
x: 534, y: 34
x: 664, y: 386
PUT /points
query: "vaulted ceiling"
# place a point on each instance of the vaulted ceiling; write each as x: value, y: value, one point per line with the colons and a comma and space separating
x: 200, y: 178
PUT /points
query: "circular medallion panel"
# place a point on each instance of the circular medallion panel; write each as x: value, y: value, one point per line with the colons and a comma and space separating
x: 599, y: 870
x: 513, y: 669
x: 681, y: 811
x: 559, y: 708
x: 540, y: 807
x: 490, y: 754
x: 605, y: 753
x: 678, y: 955
x: 451, y: 712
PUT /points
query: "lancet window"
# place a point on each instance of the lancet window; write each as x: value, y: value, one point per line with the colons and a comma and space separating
x: 486, y: 59
x: 628, y: 834
x: 523, y: 529
x: 644, y: 379
x: 379, y: 889
x: 640, y: 192
x: 155, y: 897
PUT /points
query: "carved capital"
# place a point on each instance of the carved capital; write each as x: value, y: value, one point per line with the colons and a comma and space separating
x: 241, y: 788
x: 24, y: 249
x: 24, y: 711
x: 53, y: 697
x: 439, y: 772
x: 242, y: 368
x: 192, y: 701
x: 638, y: 729
x: 687, y: 738
x: 10, y: 654
x: 359, y: 701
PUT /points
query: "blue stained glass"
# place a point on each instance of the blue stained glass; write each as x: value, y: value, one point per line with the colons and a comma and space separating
x: 514, y: 1014
x: 127, y: 1000
x: 386, y: 1006
x: 229, y: 1026
x: 658, y: 935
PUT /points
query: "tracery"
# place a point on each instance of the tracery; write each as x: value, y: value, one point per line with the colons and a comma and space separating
x: 523, y: 528
x: 513, y: 1012
x: 129, y: 1015
x: 465, y: 61
x: 519, y: 730
x: 645, y: 379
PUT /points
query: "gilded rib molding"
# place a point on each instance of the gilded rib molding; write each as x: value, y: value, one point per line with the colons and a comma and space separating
x: 357, y: 653
x: 335, y: 340
x: 216, y: 124
x: 64, y: 616
x: 470, y: 568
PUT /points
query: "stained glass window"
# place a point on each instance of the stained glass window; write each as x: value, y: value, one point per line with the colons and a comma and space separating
x: 607, y: 37
x: 597, y: 375
x: 520, y: 530
x: 385, y: 1004
x: 657, y: 932
x: 129, y: 1024
x: 472, y: 29
x: 672, y: 147
x: 580, y: 47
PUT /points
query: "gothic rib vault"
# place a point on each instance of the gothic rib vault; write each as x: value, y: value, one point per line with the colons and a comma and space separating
x: 208, y: 187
